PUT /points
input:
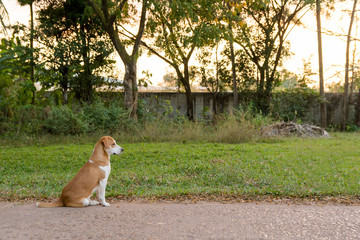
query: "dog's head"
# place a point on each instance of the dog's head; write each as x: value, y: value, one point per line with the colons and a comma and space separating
x: 110, y: 146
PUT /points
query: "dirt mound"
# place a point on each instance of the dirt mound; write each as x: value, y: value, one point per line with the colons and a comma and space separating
x: 293, y: 129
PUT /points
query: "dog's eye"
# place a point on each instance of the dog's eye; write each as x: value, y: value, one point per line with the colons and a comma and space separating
x: 113, y: 144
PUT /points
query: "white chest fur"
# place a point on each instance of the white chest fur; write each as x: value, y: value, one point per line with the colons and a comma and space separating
x: 107, y: 170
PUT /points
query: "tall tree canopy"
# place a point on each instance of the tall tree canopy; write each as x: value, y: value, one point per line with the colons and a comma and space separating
x: 174, y: 31
x: 262, y: 34
x: 75, y: 46
x: 113, y: 16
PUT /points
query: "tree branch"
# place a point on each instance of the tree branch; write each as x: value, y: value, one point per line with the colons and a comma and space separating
x: 118, y: 8
x: 141, y: 28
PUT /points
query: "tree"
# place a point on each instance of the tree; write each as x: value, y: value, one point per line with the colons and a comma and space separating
x: 262, y: 35
x: 4, y: 17
x: 231, y: 13
x: 176, y: 29
x: 210, y: 74
x: 112, y: 14
x: 321, y: 72
x: 345, y: 109
x: 16, y: 87
x: 32, y: 63
x: 75, y: 47
x: 60, y: 54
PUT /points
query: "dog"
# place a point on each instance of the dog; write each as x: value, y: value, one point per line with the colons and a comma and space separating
x: 91, y: 178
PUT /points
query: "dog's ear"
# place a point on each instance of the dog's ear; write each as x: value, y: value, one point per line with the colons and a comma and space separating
x: 104, y: 142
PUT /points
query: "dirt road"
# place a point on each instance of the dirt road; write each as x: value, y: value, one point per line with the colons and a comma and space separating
x: 180, y: 221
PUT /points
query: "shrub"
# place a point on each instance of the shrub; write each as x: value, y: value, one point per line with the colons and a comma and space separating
x: 26, y: 119
x: 62, y: 120
x: 293, y: 104
x: 109, y: 119
x: 30, y: 119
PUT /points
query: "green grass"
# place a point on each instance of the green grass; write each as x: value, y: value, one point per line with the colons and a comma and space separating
x: 290, y: 167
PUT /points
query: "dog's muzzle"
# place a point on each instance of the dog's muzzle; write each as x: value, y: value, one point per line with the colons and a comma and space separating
x: 121, y: 150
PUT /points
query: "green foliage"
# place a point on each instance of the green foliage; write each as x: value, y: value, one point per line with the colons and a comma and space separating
x: 90, y: 119
x: 62, y: 120
x: 159, y: 123
x: 291, y: 80
x: 75, y: 48
x: 24, y: 119
x: 109, y: 119
x: 250, y: 113
x: 245, y: 70
x: 264, y: 44
x: 15, y: 86
x: 293, y: 104
x: 241, y: 126
x: 14, y: 54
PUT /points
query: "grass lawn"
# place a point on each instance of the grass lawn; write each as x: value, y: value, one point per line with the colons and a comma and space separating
x: 290, y: 167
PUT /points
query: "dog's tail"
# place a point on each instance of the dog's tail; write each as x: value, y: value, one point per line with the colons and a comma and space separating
x: 57, y: 203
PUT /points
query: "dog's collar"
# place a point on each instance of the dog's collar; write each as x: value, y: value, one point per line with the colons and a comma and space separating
x: 90, y: 161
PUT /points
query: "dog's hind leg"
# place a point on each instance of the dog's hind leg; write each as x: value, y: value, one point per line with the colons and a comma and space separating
x: 93, y: 202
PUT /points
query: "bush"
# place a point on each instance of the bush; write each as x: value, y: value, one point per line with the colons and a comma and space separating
x: 26, y: 119
x: 62, y: 120
x: 109, y: 119
x: 293, y: 104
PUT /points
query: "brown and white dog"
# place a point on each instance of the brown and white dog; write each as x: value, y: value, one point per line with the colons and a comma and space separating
x: 91, y: 178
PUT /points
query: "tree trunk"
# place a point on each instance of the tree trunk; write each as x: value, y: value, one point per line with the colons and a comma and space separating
x: 184, y: 79
x: 65, y: 97
x: 64, y: 83
x: 217, y: 87
x: 130, y: 77
x: 321, y: 73
x: 189, y: 96
x: 108, y: 21
x: 262, y: 97
x: 32, y: 65
x: 357, y: 117
x: 353, y: 75
x: 189, y: 103
x: 86, y: 81
x: 130, y: 89
x: 233, y: 72
x: 345, y: 110
x: 215, y: 110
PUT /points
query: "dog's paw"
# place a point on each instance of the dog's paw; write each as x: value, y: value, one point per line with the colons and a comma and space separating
x: 94, y: 203
x: 106, y: 204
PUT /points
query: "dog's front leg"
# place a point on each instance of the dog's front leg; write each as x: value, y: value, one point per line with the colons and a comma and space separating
x: 101, y: 193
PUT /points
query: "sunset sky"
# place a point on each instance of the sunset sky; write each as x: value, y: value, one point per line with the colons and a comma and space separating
x: 303, y: 43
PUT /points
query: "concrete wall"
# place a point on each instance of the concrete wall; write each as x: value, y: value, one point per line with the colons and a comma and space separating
x: 175, y: 103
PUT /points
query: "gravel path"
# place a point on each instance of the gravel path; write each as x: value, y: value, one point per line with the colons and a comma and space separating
x: 180, y: 221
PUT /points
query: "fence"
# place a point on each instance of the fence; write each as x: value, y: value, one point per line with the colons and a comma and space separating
x: 175, y: 103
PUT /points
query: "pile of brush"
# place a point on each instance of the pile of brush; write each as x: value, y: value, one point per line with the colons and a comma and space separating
x: 293, y: 129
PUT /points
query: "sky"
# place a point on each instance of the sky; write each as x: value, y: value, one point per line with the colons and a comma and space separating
x: 303, y: 40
